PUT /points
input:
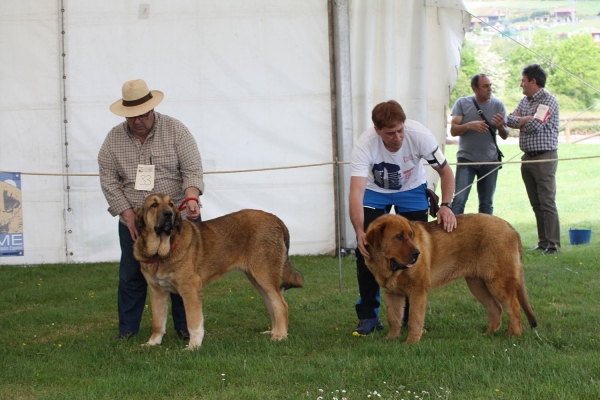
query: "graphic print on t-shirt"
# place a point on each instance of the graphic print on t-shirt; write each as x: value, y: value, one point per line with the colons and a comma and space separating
x: 387, y: 176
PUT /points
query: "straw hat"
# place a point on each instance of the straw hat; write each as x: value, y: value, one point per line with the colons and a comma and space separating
x: 137, y: 99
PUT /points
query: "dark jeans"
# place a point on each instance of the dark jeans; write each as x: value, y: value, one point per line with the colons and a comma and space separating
x: 465, y: 174
x: 368, y: 288
x: 132, y: 290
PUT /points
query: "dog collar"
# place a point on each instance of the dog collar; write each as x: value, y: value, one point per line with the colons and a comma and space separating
x: 170, y: 251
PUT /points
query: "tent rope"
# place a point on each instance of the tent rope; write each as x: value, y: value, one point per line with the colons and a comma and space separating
x: 323, y: 164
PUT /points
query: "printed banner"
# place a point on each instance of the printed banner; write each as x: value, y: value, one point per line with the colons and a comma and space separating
x: 11, y: 214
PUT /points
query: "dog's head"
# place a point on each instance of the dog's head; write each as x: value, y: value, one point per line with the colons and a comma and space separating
x: 158, y: 214
x: 390, y: 244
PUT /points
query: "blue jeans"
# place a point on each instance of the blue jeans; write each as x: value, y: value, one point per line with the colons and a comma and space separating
x: 132, y: 290
x: 486, y: 187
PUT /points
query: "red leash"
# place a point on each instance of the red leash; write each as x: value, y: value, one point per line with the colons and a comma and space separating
x: 183, y: 203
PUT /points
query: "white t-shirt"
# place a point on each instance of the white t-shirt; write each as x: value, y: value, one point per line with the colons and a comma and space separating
x: 388, y: 172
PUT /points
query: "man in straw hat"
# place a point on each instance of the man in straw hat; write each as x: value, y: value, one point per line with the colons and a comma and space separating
x: 147, y: 153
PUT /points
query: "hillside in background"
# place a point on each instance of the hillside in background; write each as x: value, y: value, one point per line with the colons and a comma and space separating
x: 562, y: 36
x: 519, y: 18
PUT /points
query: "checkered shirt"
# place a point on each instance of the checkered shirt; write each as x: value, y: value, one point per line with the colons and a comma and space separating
x: 536, y: 135
x: 170, y: 147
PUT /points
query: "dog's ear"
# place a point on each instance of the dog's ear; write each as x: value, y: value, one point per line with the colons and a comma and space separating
x: 375, y: 234
x: 140, y: 224
x: 412, y: 230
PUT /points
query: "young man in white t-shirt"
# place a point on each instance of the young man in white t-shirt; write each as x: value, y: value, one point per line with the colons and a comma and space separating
x: 387, y: 171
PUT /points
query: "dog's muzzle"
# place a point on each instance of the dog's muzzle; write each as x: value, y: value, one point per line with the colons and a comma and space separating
x: 166, y: 223
x: 395, y: 266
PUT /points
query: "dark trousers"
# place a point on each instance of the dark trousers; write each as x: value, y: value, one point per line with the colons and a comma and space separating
x: 540, y: 182
x: 132, y: 290
x: 368, y: 288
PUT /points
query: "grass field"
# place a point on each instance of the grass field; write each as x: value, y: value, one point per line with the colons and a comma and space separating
x: 57, y: 324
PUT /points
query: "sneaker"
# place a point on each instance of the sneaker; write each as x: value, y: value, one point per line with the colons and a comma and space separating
x: 550, y: 250
x: 366, y: 326
x: 183, y: 334
x: 124, y: 335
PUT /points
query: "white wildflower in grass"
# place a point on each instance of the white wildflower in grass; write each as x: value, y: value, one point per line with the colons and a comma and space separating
x: 321, y: 390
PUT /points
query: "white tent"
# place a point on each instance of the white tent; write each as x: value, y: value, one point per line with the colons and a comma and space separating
x: 260, y: 84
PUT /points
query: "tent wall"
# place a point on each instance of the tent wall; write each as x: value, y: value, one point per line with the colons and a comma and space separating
x: 251, y: 80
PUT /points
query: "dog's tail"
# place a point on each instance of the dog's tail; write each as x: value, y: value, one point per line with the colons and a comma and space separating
x: 524, y: 301
x: 291, y: 277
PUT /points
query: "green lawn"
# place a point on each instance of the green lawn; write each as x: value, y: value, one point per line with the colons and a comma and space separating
x: 57, y: 323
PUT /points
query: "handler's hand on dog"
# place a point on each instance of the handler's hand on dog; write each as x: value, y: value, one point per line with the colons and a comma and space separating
x: 446, y: 216
x: 360, y: 241
x: 193, y: 210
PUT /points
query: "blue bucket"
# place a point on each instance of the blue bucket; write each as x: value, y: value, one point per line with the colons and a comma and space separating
x: 580, y: 236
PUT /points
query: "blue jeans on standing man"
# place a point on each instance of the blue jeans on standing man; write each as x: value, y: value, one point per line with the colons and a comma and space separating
x: 486, y: 187
x: 132, y: 290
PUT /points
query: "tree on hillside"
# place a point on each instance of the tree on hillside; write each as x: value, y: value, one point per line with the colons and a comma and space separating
x: 468, y: 67
x: 581, y: 57
x: 542, y: 44
x: 578, y: 55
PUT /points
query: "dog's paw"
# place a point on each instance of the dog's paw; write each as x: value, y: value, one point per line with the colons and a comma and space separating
x: 277, y: 337
x: 191, y: 347
x: 148, y: 344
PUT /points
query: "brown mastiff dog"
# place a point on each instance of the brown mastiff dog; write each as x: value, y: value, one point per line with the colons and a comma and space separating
x: 408, y: 259
x: 182, y: 257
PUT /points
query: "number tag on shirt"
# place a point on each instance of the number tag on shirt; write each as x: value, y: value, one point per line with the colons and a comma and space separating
x: 144, y: 179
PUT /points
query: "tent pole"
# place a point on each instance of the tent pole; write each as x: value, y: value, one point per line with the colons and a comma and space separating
x: 339, y: 232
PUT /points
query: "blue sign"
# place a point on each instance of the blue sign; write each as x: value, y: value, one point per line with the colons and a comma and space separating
x: 11, y: 215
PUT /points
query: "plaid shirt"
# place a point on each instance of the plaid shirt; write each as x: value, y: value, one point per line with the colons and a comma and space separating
x: 536, y: 135
x: 170, y: 147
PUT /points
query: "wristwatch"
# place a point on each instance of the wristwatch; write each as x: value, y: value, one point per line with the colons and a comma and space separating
x: 449, y: 205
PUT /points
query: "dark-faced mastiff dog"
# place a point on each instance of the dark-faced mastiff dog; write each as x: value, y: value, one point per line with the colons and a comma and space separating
x: 182, y: 257
x: 408, y: 259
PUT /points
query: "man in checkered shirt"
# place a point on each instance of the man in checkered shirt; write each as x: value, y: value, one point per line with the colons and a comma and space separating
x: 146, y: 141
x: 536, y: 117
